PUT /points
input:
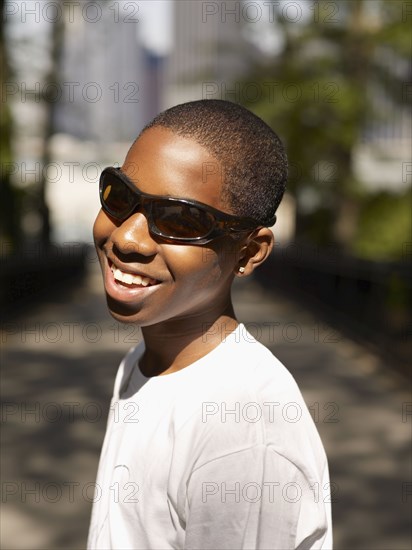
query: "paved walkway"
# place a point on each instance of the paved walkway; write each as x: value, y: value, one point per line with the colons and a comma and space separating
x: 58, y: 368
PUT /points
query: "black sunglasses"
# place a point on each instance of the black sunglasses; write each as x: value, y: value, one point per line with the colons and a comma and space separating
x: 179, y: 220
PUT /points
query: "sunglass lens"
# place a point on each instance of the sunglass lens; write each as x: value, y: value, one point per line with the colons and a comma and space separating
x: 116, y: 196
x: 181, y: 220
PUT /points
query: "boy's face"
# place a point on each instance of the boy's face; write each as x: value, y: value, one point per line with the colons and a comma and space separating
x: 192, y: 282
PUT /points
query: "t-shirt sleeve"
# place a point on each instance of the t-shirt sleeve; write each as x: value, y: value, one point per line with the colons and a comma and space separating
x: 255, y: 499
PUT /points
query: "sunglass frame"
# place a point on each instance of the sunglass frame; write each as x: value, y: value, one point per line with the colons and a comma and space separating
x: 224, y: 223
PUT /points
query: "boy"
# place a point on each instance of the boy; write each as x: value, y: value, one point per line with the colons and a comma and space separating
x: 197, y: 453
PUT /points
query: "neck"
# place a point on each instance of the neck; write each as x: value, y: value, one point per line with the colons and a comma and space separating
x: 174, y: 345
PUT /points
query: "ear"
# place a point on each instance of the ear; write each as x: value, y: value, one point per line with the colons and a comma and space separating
x: 255, y: 251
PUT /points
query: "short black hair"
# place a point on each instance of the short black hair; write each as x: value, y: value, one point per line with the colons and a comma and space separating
x: 252, y: 156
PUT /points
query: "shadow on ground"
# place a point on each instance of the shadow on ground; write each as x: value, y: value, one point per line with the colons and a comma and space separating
x: 59, y: 362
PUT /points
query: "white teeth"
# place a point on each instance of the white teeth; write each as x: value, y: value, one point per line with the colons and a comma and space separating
x: 118, y: 275
x: 130, y: 279
x: 137, y: 280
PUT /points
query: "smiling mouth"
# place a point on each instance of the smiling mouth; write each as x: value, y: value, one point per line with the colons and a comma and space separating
x: 131, y: 280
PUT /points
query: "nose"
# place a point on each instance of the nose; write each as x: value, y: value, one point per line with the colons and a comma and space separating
x: 133, y: 236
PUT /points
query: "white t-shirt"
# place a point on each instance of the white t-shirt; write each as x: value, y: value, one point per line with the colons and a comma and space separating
x: 222, y: 454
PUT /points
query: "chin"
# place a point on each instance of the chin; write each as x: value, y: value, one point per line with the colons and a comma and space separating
x: 121, y: 312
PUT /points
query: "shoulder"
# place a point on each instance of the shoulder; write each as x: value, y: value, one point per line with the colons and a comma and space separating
x: 241, y: 372
x: 253, y: 369
x: 248, y: 398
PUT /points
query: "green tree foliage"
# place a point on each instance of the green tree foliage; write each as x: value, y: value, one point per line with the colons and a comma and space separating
x: 10, y: 198
x: 16, y: 202
x: 386, y: 218
x: 319, y: 93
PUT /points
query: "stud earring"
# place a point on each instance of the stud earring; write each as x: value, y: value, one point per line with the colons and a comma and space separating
x: 241, y: 269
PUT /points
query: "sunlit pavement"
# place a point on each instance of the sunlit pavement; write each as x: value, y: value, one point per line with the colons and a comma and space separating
x: 58, y: 367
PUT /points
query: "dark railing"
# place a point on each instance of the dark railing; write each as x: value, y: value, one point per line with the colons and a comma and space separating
x: 369, y: 300
x: 33, y: 273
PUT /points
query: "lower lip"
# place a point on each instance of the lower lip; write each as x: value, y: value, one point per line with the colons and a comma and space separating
x: 124, y: 293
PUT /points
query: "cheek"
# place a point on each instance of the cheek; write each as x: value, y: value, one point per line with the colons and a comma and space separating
x: 223, y: 257
x: 102, y: 228
x: 200, y: 265
x: 186, y: 261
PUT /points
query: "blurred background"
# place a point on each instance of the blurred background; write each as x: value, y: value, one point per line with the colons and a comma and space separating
x: 79, y: 79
